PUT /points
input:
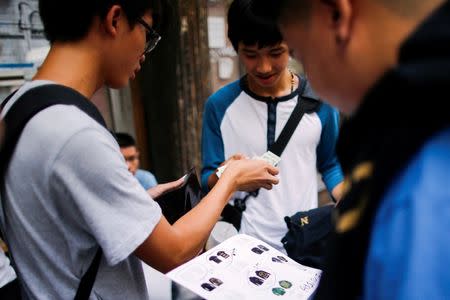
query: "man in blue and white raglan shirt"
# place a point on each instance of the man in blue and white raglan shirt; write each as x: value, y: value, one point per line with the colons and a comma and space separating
x: 247, y: 116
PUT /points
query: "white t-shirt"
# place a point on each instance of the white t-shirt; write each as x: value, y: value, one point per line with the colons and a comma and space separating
x: 69, y: 190
x: 238, y: 121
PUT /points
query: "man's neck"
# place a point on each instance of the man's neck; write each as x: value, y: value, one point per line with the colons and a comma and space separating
x: 285, y: 85
x: 74, y: 66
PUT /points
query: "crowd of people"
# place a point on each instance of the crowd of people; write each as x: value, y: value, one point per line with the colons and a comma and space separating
x: 74, y: 191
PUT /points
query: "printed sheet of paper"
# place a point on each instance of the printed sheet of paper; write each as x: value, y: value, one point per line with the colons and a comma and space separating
x: 242, y: 268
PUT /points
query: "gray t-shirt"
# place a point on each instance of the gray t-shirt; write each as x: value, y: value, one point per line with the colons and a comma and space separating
x: 68, y: 190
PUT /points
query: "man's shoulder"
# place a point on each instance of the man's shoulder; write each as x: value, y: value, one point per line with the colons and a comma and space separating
x: 226, y: 95
x: 144, y: 173
x: 427, y: 172
x: 146, y: 178
x: 434, y: 155
x: 63, y: 121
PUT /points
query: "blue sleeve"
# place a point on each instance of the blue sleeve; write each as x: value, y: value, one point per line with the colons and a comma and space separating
x: 146, y: 179
x: 327, y: 162
x: 409, y: 254
x: 212, y: 142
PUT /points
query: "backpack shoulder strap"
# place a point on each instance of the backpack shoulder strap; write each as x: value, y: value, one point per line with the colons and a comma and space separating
x: 304, y: 105
x: 31, y: 103
x: 24, y: 109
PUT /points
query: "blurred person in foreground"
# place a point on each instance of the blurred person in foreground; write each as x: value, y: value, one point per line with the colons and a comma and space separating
x: 79, y: 195
x: 385, y: 63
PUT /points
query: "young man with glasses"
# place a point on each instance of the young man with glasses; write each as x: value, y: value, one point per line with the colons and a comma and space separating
x: 79, y: 195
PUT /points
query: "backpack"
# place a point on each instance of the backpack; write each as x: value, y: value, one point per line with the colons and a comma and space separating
x: 24, y: 109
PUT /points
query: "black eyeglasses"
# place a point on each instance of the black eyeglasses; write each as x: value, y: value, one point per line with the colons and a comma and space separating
x: 152, y: 38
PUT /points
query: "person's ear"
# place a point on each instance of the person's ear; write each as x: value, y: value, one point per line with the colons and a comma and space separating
x: 341, y: 15
x: 112, y: 19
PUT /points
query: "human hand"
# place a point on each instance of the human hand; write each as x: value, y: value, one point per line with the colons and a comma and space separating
x: 212, y: 179
x: 223, y: 165
x: 251, y: 174
x: 163, y: 188
x: 237, y: 156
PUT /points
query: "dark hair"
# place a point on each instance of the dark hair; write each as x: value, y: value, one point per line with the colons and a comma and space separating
x: 124, y: 139
x: 70, y: 20
x: 252, y: 24
x: 293, y: 10
x: 285, y: 11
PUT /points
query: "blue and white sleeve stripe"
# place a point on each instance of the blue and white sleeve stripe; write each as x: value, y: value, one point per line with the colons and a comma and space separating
x: 212, y: 142
x: 327, y: 162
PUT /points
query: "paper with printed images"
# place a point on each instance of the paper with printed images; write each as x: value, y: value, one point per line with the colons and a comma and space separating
x: 244, y: 267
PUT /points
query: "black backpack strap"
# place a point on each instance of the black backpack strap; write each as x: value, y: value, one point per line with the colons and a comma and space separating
x: 88, y: 279
x: 25, y: 108
x: 303, y: 105
x: 2, y: 106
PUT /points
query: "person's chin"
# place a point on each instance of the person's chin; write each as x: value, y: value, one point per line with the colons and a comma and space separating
x: 118, y: 84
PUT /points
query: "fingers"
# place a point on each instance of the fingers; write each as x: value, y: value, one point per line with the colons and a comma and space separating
x: 238, y: 156
x: 272, y: 170
x: 267, y: 186
x: 274, y: 180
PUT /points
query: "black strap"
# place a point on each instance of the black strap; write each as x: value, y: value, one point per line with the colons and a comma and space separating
x: 6, y: 101
x: 25, y: 108
x: 292, y: 123
x: 88, y: 279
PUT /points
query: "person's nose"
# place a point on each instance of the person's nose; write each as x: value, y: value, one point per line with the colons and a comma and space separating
x: 142, y: 59
x: 264, y: 65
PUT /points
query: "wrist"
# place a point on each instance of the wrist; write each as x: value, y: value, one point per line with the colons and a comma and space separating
x: 229, y: 180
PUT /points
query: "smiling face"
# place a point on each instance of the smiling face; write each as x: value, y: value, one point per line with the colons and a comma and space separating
x: 264, y: 66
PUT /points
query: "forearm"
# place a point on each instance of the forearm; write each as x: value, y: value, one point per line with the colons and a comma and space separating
x: 194, y: 228
x: 170, y: 246
x: 337, y: 191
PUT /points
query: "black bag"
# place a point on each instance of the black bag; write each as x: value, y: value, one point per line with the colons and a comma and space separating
x: 28, y: 105
x: 308, y: 232
x: 176, y: 203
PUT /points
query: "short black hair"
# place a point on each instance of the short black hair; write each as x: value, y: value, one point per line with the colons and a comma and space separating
x: 252, y: 24
x: 70, y: 20
x: 124, y: 139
